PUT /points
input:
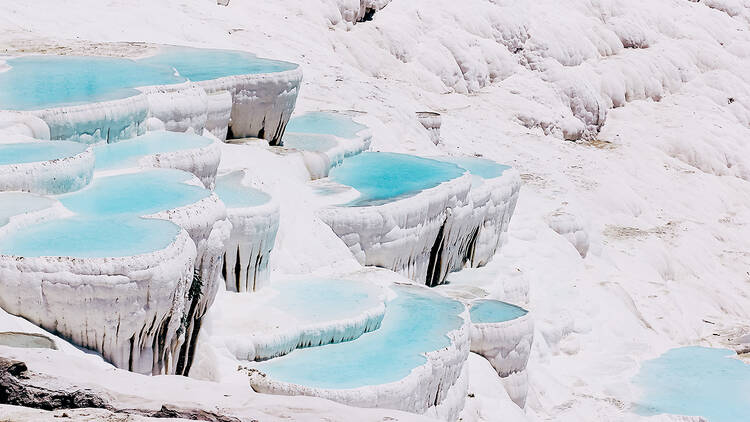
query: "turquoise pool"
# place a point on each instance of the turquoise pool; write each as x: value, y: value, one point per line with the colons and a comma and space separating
x: 416, y: 322
x: 38, y: 82
x: 234, y: 194
x: 492, y: 311
x: 310, y: 142
x: 86, y: 237
x: 44, y: 81
x: 383, y: 176
x: 696, y: 381
x: 142, y: 193
x: 325, y: 123
x: 32, y: 152
x: 198, y: 64
x: 126, y: 153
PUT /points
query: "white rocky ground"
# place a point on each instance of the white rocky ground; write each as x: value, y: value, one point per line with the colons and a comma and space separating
x: 658, y: 185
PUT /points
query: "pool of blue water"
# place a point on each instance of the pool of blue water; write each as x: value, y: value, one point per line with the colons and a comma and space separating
x: 325, y: 123
x: 197, y: 64
x: 126, y: 153
x: 87, y: 237
x: 416, y: 322
x: 491, y: 311
x: 696, y: 381
x: 315, y: 300
x: 32, y: 152
x: 44, y: 81
x: 143, y: 193
x: 234, y: 194
x: 383, y: 176
x: 481, y: 167
x: 16, y: 203
x: 310, y: 142
x: 37, y: 82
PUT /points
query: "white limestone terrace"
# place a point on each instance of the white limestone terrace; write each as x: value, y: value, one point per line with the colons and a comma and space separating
x: 179, y: 197
x: 325, y: 139
x: 255, y: 220
x: 189, y: 152
x: 482, y: 230
x: 93, y: 99
x: 45, y: 167
x: 397, y: 221
x: 413, y: 362
x: 124, y: 299
x: 503, y: 334
x: 292, y: 314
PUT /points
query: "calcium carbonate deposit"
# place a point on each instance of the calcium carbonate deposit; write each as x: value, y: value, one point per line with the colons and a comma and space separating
x: 370, y: 210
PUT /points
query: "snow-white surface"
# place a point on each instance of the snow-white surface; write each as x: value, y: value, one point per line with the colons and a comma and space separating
x: 662, y: 188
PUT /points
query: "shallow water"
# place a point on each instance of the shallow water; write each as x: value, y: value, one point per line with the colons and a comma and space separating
x: 38, y: 82
x: 310, y: 142
x: 236, y: 195
x: 416, y: 321
x: 489, y: 311
x: 197, y: 64
x: 86, y: 237
x: 325, y: 123
x: 383, y: 176
x: 481, y: 167
x: 143, y: 193
x: 32, y: 152
x: 126, y: 153
x: 319, y: 300
x: 44, y: 81
x: 696, y: 381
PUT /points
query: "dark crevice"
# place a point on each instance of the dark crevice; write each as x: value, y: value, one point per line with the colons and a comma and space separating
x: 436, y: 258
x: 237, y: 271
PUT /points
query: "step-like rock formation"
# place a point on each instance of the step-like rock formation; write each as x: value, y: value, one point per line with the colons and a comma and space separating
x: 255, y: 220
x: 503, y: 334
x: 413, y: 362
x: 45, y: 167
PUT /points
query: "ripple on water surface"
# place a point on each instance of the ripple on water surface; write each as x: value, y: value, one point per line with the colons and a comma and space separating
x: 696, y: 381
x: 382, y: 177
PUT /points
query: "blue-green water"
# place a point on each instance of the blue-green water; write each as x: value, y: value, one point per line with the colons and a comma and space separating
x: 236, y: 195
x: 310, y: 142
x: 482, y: 167
x: 143, y: 193
x: 416, y: 322
x: 489, y: 311
x: 383, y: 176
x: 197, y: 64
x: 324, y: 299
x: 324, y: 123
x: 32, y: 152
x: 696, y: 381
x: 126, y: 153
x: 87, y: 237
x: 37, y: 82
